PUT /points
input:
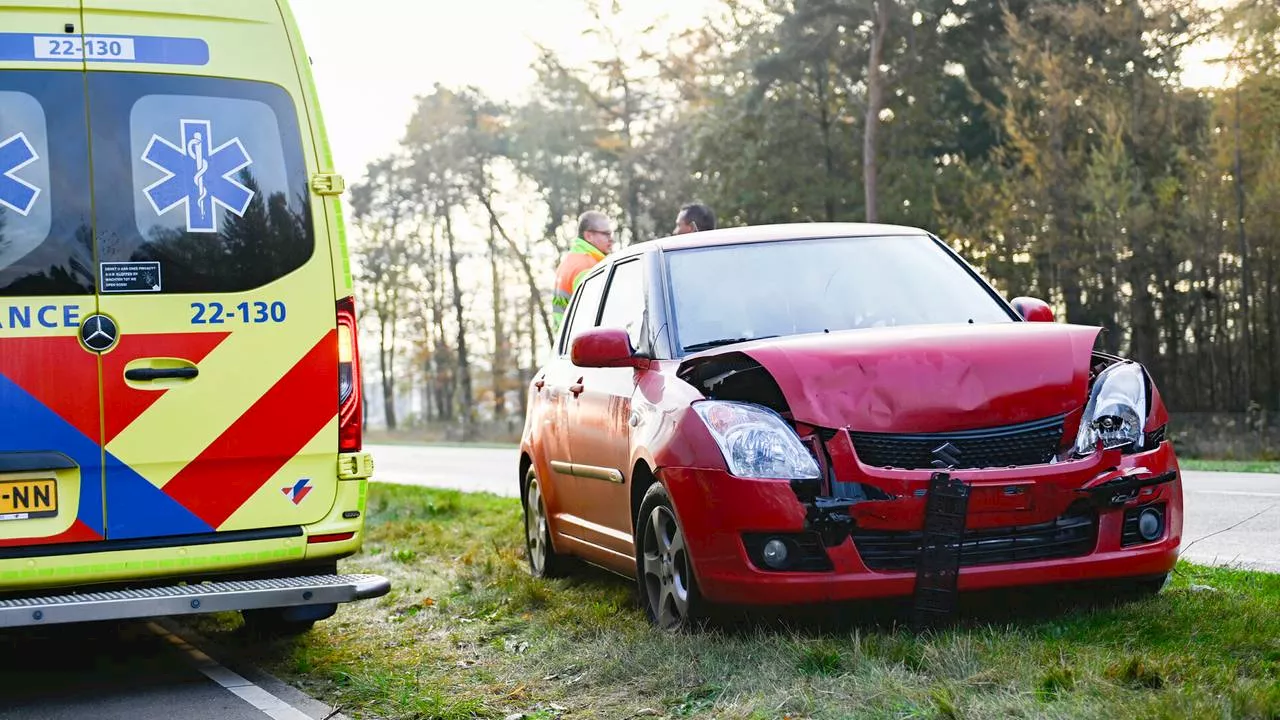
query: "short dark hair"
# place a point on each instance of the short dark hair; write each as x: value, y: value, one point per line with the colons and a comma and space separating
x: 700, y: 215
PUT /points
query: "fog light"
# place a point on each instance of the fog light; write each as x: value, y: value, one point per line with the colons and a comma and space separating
x: 1150, y: 524
x: 775, y: 554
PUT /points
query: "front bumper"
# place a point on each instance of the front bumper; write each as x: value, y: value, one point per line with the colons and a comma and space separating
x: 716, y: 509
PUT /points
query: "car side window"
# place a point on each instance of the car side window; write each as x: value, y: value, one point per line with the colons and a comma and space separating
x: 624, y: 304
x: 585, y: 309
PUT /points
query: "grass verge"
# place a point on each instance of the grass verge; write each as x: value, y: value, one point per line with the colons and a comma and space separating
x: 1244, y: 466
x: 467, y: 633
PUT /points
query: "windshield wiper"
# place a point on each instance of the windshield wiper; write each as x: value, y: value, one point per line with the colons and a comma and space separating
x: 698, y: 347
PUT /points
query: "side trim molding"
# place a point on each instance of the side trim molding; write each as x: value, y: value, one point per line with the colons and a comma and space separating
x: 587, y: 471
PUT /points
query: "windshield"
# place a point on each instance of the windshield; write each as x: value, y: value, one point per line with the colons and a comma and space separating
x: 740, y: 292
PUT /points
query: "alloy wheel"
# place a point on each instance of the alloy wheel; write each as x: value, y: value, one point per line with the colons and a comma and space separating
x: 666, y: 569
x: 535, y: 525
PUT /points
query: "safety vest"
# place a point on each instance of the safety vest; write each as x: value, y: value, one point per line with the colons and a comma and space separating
x: 582, y: 256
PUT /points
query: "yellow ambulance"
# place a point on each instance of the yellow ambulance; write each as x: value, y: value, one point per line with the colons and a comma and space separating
x: 180, y: 397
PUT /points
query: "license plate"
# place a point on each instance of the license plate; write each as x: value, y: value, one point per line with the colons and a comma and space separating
x: 28, y: 499
x: 1003, y: 497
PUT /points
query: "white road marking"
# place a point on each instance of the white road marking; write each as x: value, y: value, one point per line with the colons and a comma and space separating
x: 1233, y: 492
x: 274, y: 707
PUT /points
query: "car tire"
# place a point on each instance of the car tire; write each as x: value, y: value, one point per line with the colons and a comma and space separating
x: 544, y: 561
x: 665, y: 580
x: 1147, y: 587
x: 286, y: 622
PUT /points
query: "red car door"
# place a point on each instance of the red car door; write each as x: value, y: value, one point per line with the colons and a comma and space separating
x: 553, y: 400
x: 600, y: 440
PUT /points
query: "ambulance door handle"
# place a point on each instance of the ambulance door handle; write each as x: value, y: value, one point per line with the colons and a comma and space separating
x: 160, y: 371
x: 149, y: 374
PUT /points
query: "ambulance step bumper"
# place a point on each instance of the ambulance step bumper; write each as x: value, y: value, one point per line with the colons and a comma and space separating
x: 207, y: 597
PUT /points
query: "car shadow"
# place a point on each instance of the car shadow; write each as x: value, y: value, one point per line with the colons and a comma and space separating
x: 1022, y: 606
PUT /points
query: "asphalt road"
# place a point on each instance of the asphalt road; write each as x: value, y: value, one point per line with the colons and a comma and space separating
x: 133, y: 671
x: 1214, y: 501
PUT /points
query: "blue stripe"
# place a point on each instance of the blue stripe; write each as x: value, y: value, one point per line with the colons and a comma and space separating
x: 26, y: 424
x: 138, y: 509
x: 147, y: 49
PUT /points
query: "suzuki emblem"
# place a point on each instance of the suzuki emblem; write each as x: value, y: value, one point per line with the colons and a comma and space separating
x: 946, y: 455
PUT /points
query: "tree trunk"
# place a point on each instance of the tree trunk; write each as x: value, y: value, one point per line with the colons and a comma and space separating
x: 629, y: 173
x: 464, y: 363
x: 530, y: 276
x: 1246, y: 290
x: 386, y: 359
x: 875, y: 100
x: 499, y: 334
x: 829, y: 158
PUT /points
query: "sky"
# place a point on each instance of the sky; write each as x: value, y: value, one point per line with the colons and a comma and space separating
x: 372, y: 62
x: 371, y: 58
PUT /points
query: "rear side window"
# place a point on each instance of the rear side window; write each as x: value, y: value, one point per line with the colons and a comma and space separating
x: 45, y: 207
x: 584, y: 314
x: 201, y: 185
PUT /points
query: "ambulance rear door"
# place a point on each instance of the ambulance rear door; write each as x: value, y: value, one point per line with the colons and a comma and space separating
x: 221, y: 395
x: 50, y: 434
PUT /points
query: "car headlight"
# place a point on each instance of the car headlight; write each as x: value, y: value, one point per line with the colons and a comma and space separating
x: 756, y: 442
x: 1117, y: 410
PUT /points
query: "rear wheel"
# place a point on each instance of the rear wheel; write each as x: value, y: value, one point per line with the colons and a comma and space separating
x: 544, y: 561
x: 286, y: 621
x: 668, y: 589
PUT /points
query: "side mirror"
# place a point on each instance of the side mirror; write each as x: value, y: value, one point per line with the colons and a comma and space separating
x: 1033, y: 309
x: 603, y: 348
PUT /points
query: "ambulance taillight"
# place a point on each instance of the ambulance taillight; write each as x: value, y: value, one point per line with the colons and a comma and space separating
x: 350, y: 415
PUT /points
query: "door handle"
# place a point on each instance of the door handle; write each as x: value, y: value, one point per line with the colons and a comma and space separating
x: 160, y: 372
x: 149, y: 374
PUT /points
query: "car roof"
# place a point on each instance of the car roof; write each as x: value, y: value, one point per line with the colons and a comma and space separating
x: 765, y: 233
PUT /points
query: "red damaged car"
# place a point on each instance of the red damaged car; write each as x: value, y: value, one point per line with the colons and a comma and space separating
x: 828, y: 412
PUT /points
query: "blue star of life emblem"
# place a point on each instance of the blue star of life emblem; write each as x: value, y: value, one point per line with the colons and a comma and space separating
x: 15, y: 193
x: 198, y: 176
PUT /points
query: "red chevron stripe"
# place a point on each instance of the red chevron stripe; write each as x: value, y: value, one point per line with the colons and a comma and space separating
x: 260, y: 442
x: 125, y: 404
x: 59, y: 373
x: 78, y: 532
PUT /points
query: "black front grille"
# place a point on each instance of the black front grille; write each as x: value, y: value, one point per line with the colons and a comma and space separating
x: 1071, y: 535
x: 1032, y: 443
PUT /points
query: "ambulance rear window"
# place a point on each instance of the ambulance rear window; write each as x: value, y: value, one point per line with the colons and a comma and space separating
x: 201, y: 185
x: 45, y: 210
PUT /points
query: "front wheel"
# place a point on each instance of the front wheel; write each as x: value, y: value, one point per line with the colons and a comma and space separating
x: 664, y: 572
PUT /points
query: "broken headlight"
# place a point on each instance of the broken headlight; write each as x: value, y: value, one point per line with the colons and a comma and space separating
x: 755, y: 441
x: 1117, y: 410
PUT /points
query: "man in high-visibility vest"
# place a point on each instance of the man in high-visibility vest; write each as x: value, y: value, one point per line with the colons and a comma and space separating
x: 594, y: 241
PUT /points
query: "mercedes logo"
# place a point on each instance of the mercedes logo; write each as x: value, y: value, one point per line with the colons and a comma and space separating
x: 98, y: 333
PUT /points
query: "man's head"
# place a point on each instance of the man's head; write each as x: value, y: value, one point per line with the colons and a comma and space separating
x: 595, y: 228
x: 694, y: 217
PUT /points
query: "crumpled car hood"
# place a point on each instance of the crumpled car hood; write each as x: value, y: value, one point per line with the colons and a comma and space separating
x: 921, y: 379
